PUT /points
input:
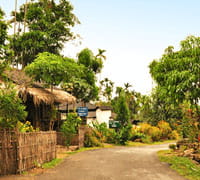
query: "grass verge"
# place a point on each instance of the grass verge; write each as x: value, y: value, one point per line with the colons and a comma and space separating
x: 133, y: 144
x: 52, y: 163
x: 183, y: 165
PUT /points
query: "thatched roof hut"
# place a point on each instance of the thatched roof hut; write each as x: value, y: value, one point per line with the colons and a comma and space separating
x: 44, y: 95
x: 40, y: 102
x: 26, y: 87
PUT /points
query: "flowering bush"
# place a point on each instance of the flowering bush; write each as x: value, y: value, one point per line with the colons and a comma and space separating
x: 147, y: 133
x: 165, y: 129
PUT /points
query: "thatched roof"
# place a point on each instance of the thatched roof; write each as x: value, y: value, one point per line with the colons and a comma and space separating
x: 27, y: 88
x: 44, y: 95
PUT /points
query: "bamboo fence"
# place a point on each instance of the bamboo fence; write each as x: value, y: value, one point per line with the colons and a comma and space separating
x: 61, y: 139
x: 77, y: 140
x: 22, y: 151
x: 8, y: 154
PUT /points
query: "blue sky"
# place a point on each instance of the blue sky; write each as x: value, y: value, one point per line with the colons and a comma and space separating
x: 134, y: 32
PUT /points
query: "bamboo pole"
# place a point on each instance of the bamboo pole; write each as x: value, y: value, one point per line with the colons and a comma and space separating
x: 25, y: 12
x: 15, y: 17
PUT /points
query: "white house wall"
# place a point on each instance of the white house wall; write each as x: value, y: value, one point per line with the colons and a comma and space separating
x: 103, y: 116
x: 90, y: 121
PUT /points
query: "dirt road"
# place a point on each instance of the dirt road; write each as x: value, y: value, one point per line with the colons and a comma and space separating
x: 119, y: 163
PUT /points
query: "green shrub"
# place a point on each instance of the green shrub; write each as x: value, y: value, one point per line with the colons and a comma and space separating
x: 172, y: 146
x: 70, y: 127
x: 11, y: 108
x: 136, y: 135
x: 174, y: 135
x: 111, y: 136
x: 25, y: 127
x: 165, y: 129
x: 124, y: 135
x: 145, y: 128
x: 155, y: 133
x: 147, y: 139
x: 160, y: 132
x: 100, y: 131
x: 91, y: 140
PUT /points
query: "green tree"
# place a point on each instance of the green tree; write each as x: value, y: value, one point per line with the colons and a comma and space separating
x: 53, y: 69
x: 70, y: 127
x: 106, y: 88
x: 84, y: 87
x: 11, y: 108
x: 48, y: 25
x: 177, y: 73
x: 3, y: 35
x: 101, y: 54
x: 127, y: 86
x: 123, y: 116
x: 155, y: 108
x: 93, y: 63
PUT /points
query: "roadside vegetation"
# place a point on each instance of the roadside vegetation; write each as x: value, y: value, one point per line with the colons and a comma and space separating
x: 183, y: 165
x: 170, y: 112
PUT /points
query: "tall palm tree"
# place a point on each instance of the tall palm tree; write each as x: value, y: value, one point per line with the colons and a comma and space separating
x: 100, y: 54
x: 127, y: 85
x: 99, y: 57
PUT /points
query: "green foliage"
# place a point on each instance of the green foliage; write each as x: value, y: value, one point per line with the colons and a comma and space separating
x: 25, y: 127
x: 150, y: 133
x: 101, y: 129
x: 122, y: 110
x: 92, y: 139
x: 3, y: 35
x: 136, y: 134
x: 70, y: 127
x: 3, y: 67
x: 155, y: 133
x: 83, y: 87
x: 172, y: 146
x: 97, y: 134
x: 112, y: 136
x: 165, y: 129
x: 189, y: 125
x: 156, y: 107
x: 52, y: 163
x: 106, y: 89
x: 174, y: 135
x: 177, y: 73
x: 184, y: 166
x: 53, y: 69
x: 124, y: 134
x: 147, y: 139
x: 123, y: 116
x: 91, y: 62
x: 11, y: 108
x: 48, y: 23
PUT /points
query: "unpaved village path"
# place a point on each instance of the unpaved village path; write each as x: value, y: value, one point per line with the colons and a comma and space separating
x: 119, y: 163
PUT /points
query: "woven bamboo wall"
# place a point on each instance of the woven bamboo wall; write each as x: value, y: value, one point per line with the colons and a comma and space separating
x: 35, y: 148
x: 23, y: 151
x: 77, y: 140
x: 8, y: 155
x: 61, y: 139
